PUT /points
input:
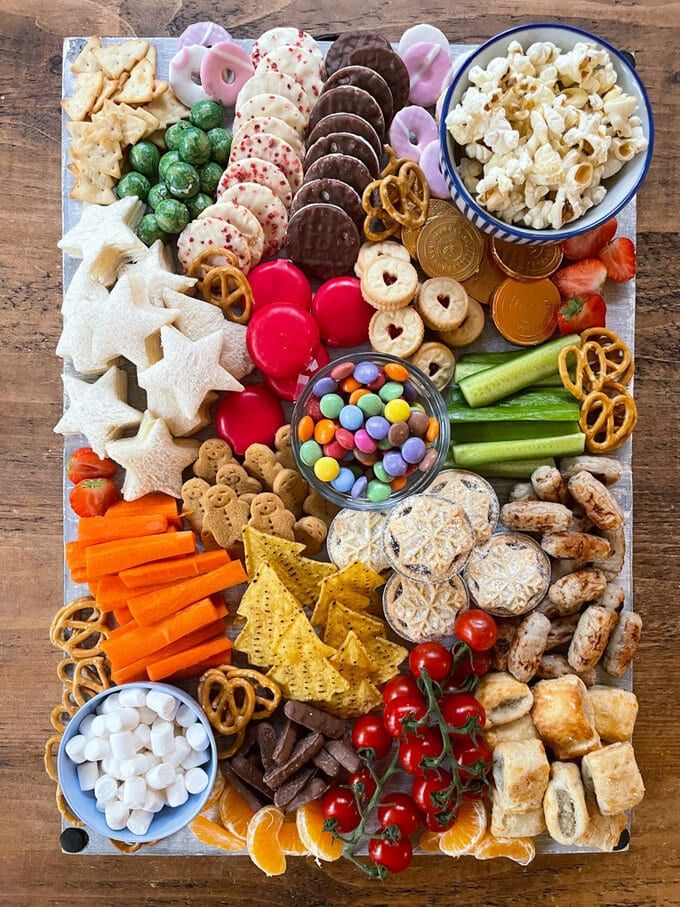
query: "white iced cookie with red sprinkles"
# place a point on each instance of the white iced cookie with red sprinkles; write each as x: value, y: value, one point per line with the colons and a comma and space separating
x: 255, y: 170
x: 277, y: 83
x: 267, y: 208
x: 271, y: 148
x: 210, y: 231
x: 244, y: 221
x: 299, y: 64
x: 271, y: 105
x: 276, y: 37
x: 273, y: 125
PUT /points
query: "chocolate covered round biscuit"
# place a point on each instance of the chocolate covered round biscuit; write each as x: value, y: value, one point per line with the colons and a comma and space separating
x: 330, y: 192
x: 368, y: 79
x: 323, y: 240
x: 389, y: 65
x: 341, y: 167
x: 346, y: 122
x: 348, y: 99
x: 347, y: 42
x: 343, y: 143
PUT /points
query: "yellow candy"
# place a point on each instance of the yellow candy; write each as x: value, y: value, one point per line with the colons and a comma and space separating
x: 326, y: 469
x: 397, y: 411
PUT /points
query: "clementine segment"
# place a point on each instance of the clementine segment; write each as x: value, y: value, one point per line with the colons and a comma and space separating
x: 289, y: 839
x: 319, y: 843
x: 235, y: 814
x: 209, y: 832
x: 262, y: 841
x: 429, y: 842
x: 467, y: 831
x: 521, y: 850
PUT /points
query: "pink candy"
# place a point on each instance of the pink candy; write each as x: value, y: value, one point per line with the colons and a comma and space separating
x: 225, y: 69
x: 364, y: 442
x: 429, y: 69
x: 204, y: 33
x: 429, y: 163
x: 411, y: 131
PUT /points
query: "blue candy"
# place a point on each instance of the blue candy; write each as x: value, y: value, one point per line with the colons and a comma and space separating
x: 394, y: 464
x: 324, y: 386
x: 413, y: 450
x: 351, y: 417
x: 359, y: 487
x: 377, y: 427
x: 410, y: 392
x: 365, y: 372
x: 344, y: 480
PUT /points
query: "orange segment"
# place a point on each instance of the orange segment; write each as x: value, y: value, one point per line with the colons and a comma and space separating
x: 521, y: 850
x: 235, y: 814
x: 429, y: 841
x: 215, y: 793
x: 211, y: 833
x: 467, y: 831
x: 262, y: 841
x: 289, y: 839
x: 319, y: 843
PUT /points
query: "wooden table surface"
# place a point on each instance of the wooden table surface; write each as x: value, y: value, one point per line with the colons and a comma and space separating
x: 32, y: 868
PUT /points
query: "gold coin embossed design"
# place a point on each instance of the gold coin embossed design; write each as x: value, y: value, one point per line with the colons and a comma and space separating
x: 438, y: 206
x: 525, y: 313
x: 482, y: 285
x: 526, y: 262
x: 409, y: 237
x: 450, y: 247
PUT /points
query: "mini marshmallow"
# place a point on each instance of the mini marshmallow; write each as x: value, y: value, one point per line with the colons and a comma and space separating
x: 75, y: 749
x: 146, y: 715
x: 122, y: 720
x: 162, y: 704
x: 132, y: 697
x: 185, y: 716
x: 138, y: 765
x: 196, y: 780
x: 139, y: 821
x: 123, y: 745
x: 117, y: 815
x: 100, y: 806
x: 162, y: 738
x: 152, y: 759
x: 142, y: 735
x: 180, y: 752
x: 176, y: 793
x: 105, y: 789
x: 134, y: 792
x: 154, y: 801
x: 85, y: 727
x: 97, y: 748
x: 195, y: 757
x: 109, y: 704
x: 160, y: 776
x: 88, y: 772
x: 111, y: 766
x: 197, y: 737
x: 98, y: 726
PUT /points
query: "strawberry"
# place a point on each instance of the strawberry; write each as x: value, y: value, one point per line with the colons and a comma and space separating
x: 587, y: 276
x: 587, y: 310
x: 587, y: 245
x: 93, y: 497
x: 619, y: 259
x: 85, y: 464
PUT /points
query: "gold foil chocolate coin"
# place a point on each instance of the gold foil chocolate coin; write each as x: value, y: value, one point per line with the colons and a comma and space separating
x: 450, y: 246
x: 526, y: 262
x: 482, y: 285
x: 524, y: 312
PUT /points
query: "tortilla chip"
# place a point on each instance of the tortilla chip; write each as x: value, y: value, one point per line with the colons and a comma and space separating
x: 270, y: 610
x: 83, y: 98
x: 86, y: 60
x: 138, y: 89
x: 387, y: 656
x: 359, y: 699
x: 115, y: 59
x: 307, y: 681
x: 352, y: 656
x: 342, y: 619
x: 300, y: 575
x: 300, y: 643
x: 167, y: 109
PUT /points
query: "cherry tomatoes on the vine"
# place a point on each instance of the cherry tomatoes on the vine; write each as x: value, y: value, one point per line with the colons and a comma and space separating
x: 427, y: 784
x: 468, y: 752
x: 431, y: 657
x: 399, y: 709
x: 471, y: 663
x: 476, y: 628
x: 401, y: 685
x: 456, y: 708
x: 399, y: 809
x: 369, y: 733
x: 365, y: 778
x: 395, y: 856
x: 434, y: 823
x: 427, y: 743
x: 339, y: 804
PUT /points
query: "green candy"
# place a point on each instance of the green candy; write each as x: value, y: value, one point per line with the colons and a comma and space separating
x: 381, y: 473
x: 157, y: 194
x: 377, y: 491
x: 172, y: 134
x: 197, y: 204
x: 149, y: 231
x: 133, y: 183
x: 371, y: 405
x: 144, y: 158
x: 193, y: 146
x: 172, y: 216
x: 330, y: 405
x: 210, y: 175
x: 385, y: 444
x: 391, y: 391
x: 310, y: 452
x: 182, y: 180
x: 220, y: 145
x: 206, y: 114
x: 169, y: 158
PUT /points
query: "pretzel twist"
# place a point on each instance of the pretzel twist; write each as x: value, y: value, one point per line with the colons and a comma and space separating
x: 83, y: 679
x: 218, y: 697
x: 602, y: 357
x: 265, y: 705
x: 200, y: 266
x: 607, y: 419
x: 227, y: 750
x: 393, y: 162
x: 65, y: 810
x: 62, y: 713
x: 50, y: 756
x: 228, y: 288
x: 79, y: 628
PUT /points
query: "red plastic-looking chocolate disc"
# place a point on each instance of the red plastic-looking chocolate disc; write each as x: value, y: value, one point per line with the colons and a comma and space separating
x: 252, y: 416
x: 341, y: 312
x: 291, y: 388
x: 281, y: 339
x: 279, y: 281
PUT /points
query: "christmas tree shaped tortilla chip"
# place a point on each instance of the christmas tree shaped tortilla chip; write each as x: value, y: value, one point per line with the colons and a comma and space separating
x: 300, y: 643
x: 342, y: 619
x: 308, y: 681
x: 353, y: 662
x: 352, y: 586
x: 387, y: 656
x: 270, y: 610
x: 300, y: 575
x: 352, y: 659
x: 358, y: 700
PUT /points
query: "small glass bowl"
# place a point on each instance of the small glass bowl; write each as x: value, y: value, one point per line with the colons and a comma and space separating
x: 430, y: 399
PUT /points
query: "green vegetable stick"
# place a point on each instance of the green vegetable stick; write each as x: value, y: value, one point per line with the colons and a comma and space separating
x: 474, y: 432
x: 469, y: 456
x: 464, y: 368
x: 542, y: 405
x: 514, y: 469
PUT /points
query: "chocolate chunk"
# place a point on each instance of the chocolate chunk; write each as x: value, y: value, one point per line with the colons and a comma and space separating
x: 322, y: 239
x: 327, y: 764
x: 390, y: 66
x: 346, y: 122
x: 344, y: 754
x: 368, y: 79
x: 312, y: 791
x: 253, y: 801
x: 285, y: 743
x: 348, y: 41
x: 340, y: 167
x: 343, y: 143
x: 314, y: 719
x: 292, y: 787
x: 266, y: 738
x: 330, y: 192
x: 73, y: 840
x: 303, y: 752
x: 251, y: 775
x: 348, y: 99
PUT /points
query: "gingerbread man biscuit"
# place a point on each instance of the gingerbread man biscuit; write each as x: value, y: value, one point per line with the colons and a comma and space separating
x: 311, y: 532
x: 260, y: 463
x: 268, y: 514
x: 292, y: 489
x: 315, y: 505
x: 192, y: 509
x: 212, y: 454
x: 235, y: 476
x: 224, y: 515
x: 284, y: 448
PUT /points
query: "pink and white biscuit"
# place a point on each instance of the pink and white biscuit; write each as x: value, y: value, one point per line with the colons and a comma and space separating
x: 271, y: 105
x: 429, y: 69
x: 210, y: 231
x: 184, y: 74
x: 244, y: 221
x: 419, y: 33
x: 412, y: 129
x: 298, y: 63
x: 273, y: 125
x: 429, y: 164
x: 255, y: 170
x: 271, y: 148
x: 275, y: 83
x: 276, y: 37
x: 266, y: 207
x: 225, y: 69
x: 205, y: 33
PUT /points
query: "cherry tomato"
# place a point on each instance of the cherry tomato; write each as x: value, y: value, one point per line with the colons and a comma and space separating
x: 338, y: 803
x: 397, y: 710
x: 395, y: 856
x: 434, y: 823
x: 93, y: 497
x: 369, y: 733
x: 456, y: 708
x: 468, y: 752
x: 427, y: 784
x: 432, y: 657
x: 416, y: 747
x: 477, y: 629
x: 401, y: 685
x: 400, y: 810
x: 472, y: 663
x: 365, y: 778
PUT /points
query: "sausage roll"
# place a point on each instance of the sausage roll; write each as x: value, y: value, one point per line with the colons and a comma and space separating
x: 523, y: 491
x: 564, y: 717
x: 613, y: 597
x: 597, y: 501
x: 505, y: 824
x: 606, y: 469
x: 564, y: 804
x: 575, y: 589
x: 622, y: 644
x: 549, y: 485
x: 504, y: 698
x: 615, y: 713
x: 552, y: 666
x: 580, y: 521
x: 528, y: 646
x: 522, y: 729
x: 611, y: 775
x: 612, y: 563
x: 590, y: 637
x: 603, y: 832
x: 507, y: 630
x: 535, y: 516
x: 520, y: 772
x: 561, y: 631
x: 577, y: 545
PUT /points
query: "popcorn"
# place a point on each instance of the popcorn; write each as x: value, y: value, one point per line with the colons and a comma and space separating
x: 540, y: 130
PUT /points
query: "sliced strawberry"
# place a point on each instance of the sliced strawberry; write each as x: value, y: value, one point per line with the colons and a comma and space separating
x: 588, y: 310
x: 587, y: 245
x: 587, y: 276
x: 93, y: 497
x: 85, y: 464
x: 619, y: 259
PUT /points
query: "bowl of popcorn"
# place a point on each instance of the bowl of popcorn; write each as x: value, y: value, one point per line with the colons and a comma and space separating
x: 137, y: 762
x: 546, y: 132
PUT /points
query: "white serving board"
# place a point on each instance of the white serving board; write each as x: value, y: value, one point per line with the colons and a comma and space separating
x: 620, y: 318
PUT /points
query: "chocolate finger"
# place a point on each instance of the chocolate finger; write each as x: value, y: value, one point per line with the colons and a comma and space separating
x: 344, y: 754
x: 292, y: 787
x: 314, y: 719
x: 312, y: 791
x: 285, y: 743
x: 327, y: 764
x: 303, y: 752
x: 248, y: 795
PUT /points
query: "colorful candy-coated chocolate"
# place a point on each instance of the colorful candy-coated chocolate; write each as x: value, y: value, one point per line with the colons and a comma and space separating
x: 377, y: 491
x: 385, y: 444
x: 344, y: 438
x: 432, y: 432
x: 326, y: 469
x: 342, y: 313
x: 281, y: 339
x: 342, y: 370
x: 377, y: 427
x: 364, y: 442
x: 378, y: 383
x: 398, y: 433
x: 359, y: 487
x: 335, y: 450
x: 358, y: 394
x: 305, y: 429
x: 351, y: 417
x: 381, y: 473
x: 204, y: 33
x: 429, y: 68
x: 314, y: 410
x: 398, y: 483
x: 371, y: 405
x: 428, y: 460
x: 390, y: 391
x: 252, y: 416
x: 412, y: 130
x: 324, y: 431
x: 291, y: 388
x: 397, y: 410
x: 366, y: 459
x: 349, y: 385
x: 344, y: 480
x: 394, y: 463
x: 396, y: 372
x: 429, y: 164
x: 323, y: 386
x: 331, y: 404
x: 413, y: 450
x: 279, y: 281
x: 310, y: 452
x: 365, y: 372
x: 417, y: 422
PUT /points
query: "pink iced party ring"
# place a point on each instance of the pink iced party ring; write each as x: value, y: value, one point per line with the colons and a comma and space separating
x: 429, y: 164
x: 429, y: 69
x: 226, y: 67
x: 204, y: 33
x: 185, y: 74
x: 412, y: 129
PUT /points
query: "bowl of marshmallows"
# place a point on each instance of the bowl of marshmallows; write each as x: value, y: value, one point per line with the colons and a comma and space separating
x: 137, y: 762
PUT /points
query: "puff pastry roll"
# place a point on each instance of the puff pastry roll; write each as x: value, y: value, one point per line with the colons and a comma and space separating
x: 506, y: 824
x: 615, y: 713
x: 596, y: 500
x: 520, y: 772
x: 522, y: 729
x: 622, y: 644
x: 603, y: 832
x: 564, y: 716
x: 507, y: 630
x: 552, y: 666
x: 611, y: 775
x: 504, y: 698
x: 564, y: 804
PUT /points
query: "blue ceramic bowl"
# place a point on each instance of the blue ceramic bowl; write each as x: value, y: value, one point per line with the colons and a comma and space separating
x: 169, y: 819
x: 620, y: 188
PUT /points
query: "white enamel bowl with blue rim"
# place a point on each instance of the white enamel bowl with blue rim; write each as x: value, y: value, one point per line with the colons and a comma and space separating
x: 620, y: 188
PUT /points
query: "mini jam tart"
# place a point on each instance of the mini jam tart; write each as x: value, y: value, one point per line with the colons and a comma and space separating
x: 474, y: 494
x: 508, y: 576
x: 423, y: 612
x: 427, y: 538
x: 356, y: 536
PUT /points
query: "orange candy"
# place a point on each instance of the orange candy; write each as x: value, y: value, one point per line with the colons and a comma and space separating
x: 432, y: 432
x: 398, y: 483
x: 324, y: 431
x: 349, y: 385
x: 305, y: 429
x: 358, y: 394
x: 396, y: 372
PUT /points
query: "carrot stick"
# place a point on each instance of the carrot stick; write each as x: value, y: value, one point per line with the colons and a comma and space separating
x: 123, y: 617
x: 157, y: 503
x: 125, y: 627
x: 166, y: 667
x: 222, y: 658
x: 111, y: 593
x: 79, y: 575
x: 129, y: 674
x: 112, y: 557
x: 94, y: 530
x: 75, y: 555
x: 150, y: 607
x: 173, y: 569
x: 125, y: 648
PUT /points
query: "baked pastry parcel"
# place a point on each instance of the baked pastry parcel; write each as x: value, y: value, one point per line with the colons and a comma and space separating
x: 615, y: 712
x: 504, y: 698
x: 507, y: 576
x: 564, y: 804
x: 612, y: 777
x: 508, y: 824
x: 474, y: 494
x: 520, y: 773
x: 564, y: 716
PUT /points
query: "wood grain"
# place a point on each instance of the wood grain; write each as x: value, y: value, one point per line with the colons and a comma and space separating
x: 32, y: 869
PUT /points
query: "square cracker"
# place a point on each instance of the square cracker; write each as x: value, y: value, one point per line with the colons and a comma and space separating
x: 86, y: 60
x: 167, y: 109
x: 84, y: 97
x: 99, y: 148
x: 91, y: 186
x: 139, y: 88
x: 115, y: 59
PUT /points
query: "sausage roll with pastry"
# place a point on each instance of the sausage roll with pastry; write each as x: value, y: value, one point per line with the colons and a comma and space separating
x: 603, y: 832
x: 572, y: 591
x: 606, y: 469
x: 615, y: 713
x: 611, y: 564
x: 504, y: 698
x: 552, y: 666
x: 506, y: 824
x: 590, y: 637
x: 561, y: 631
x: 528, y: 646
x: 564, y: 716
x: 612, y: 777
x: 549, y: 485
x: 535, y: 516
x: 580, y: 546
x: 613, y: 597
x: 596, y: 500
x: 520, y: 772
x: 564, y: 804
x: 507, y: 630
x: 522, y: 729
x: 523, y: 491
x: 622, y: 644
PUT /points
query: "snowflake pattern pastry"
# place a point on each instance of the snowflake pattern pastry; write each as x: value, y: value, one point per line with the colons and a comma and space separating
x: 508, y: 576
x: 423, y: 612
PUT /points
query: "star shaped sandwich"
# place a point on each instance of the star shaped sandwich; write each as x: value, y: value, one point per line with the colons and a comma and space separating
x: 154, y: 267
